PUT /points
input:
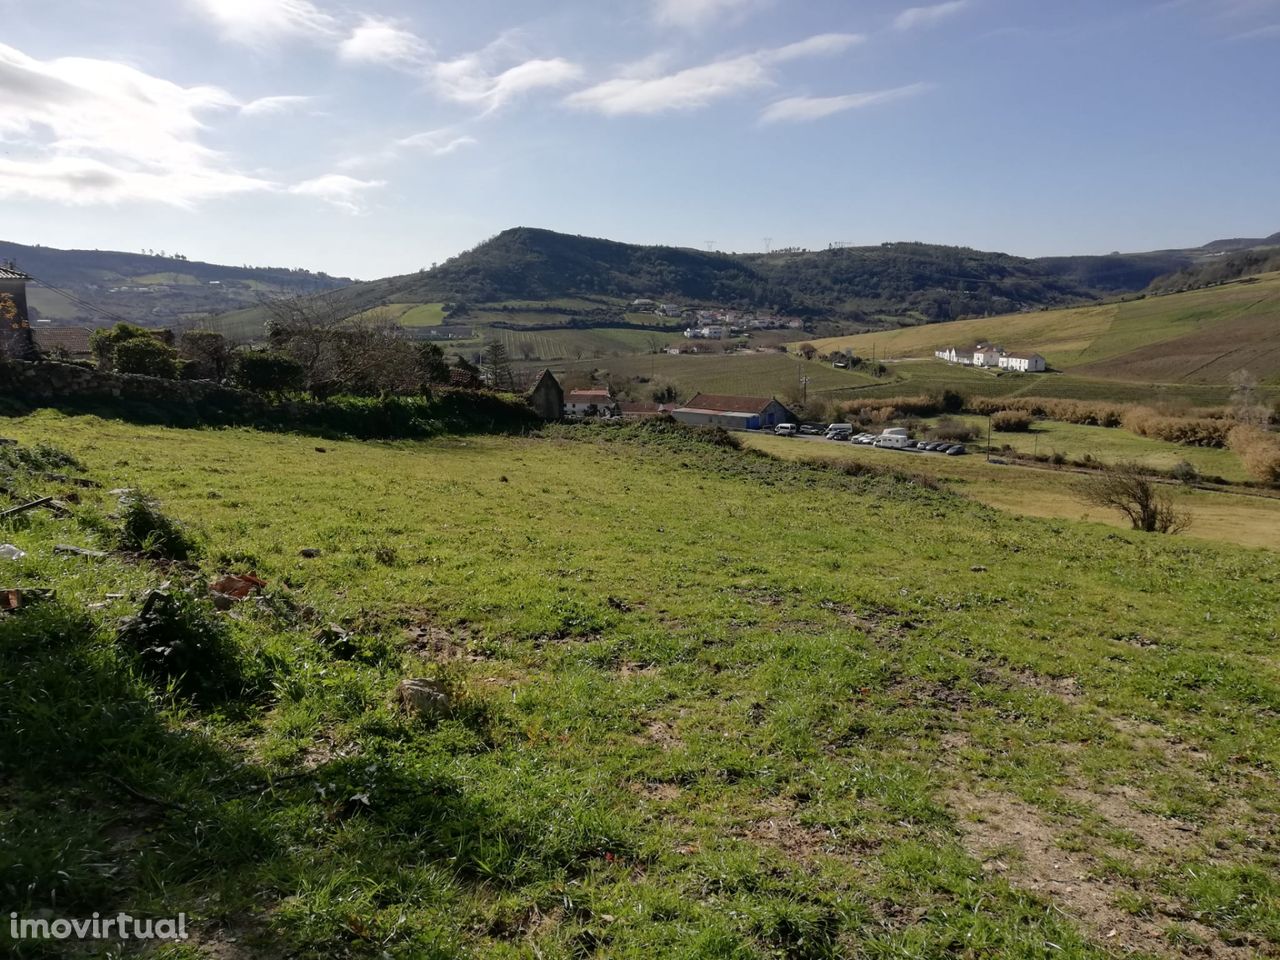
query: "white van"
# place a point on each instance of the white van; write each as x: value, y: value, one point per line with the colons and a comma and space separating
x: 839, y: 431
x: 785, y: 430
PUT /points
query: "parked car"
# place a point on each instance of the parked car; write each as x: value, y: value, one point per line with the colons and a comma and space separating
x: 957, y: 451
x: 785, y: 430
x: 809, y: 430
x: 840, y: 431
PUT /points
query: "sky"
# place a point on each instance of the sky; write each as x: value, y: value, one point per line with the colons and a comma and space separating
x: 374, y: 137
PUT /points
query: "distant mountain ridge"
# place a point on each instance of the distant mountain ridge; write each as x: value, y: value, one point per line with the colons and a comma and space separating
x: 147, y: 288
x: 912, y: 281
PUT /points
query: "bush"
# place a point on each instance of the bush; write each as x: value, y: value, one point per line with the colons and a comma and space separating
x: 145, y: 530
x: 1185, y: 472
x: 1191, y: 431
x: 1010, y: 421
x: 1259, y: 451
x: 146, y: 356
x: 177, y: 638
x: 266, y: 371
x: 954, y: 430
x: 1127, y: 488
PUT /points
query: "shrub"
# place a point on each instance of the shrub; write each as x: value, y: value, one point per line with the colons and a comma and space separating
x: 1191, y: 431
x: 146, y: 356
x: 1185, y: 472
x: 146, y: 530
x: 1259, y: 451
x: 1127, y: 488
x: 955, y: 430
x: 266, y: 371
x: 1010, y: 421
x: 177, y: 638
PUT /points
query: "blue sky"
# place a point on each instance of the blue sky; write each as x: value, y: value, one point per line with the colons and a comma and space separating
x: 373, y: 137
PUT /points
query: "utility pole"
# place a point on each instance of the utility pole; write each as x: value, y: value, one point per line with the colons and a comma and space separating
x: 768, y: 244
x: 711, y: 245
x: 988, y: 438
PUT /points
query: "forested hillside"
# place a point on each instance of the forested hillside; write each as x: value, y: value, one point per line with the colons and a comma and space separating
x: 147, y: 288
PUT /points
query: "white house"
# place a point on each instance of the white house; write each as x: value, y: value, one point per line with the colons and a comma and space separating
x: 954, y: 355
x: 987, y: 355
x: 1023, y: 362
x: 670, y: 310
x: 589, y: 403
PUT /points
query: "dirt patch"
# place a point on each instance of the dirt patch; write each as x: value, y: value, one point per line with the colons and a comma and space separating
x: 1147, y: 736
x: 1122, y: 807
x: 627, y: 669
x: 1015, y: 841
x: 1066, y: 689
x: 874, y: 621
x: 439, y: 644
x: 659, y: 791
x: 663, y: 735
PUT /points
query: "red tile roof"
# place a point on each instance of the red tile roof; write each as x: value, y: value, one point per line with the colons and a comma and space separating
x: 73, y: 340
x: 587, y: 396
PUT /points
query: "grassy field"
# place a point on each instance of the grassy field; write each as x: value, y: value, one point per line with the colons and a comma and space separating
x: 1232, y: 517
x: 743, y: 374
x: 1196, y: 337
x: 707, y: 704
x: 1111, y: 445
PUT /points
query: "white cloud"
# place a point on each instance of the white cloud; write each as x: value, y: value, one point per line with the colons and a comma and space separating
x: 696, y: 87
x: 434, y: 143
x: 690, y: 14
x: 915, y: 17
x: 686, y: 90
x: 800, y: 109
x: 822, y: 45
x: 478, y: 80
x: 338, y: 189
x: 438, y: 143
x: 260, y: 22
x: 270, y: 106
x: 80, y: 130
x: 382, y: 41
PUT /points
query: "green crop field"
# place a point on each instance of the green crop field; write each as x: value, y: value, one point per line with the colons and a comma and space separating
x: 743, y: 374
x: 1199, y: 337
x: 698, y: 703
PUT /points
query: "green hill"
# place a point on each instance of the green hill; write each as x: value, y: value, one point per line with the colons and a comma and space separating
x: 1199, y: 336
x: 148, y: 289
x: 925, y: 282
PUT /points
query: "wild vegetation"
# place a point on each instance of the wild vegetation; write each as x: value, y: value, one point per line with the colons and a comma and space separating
x: 687, y: 726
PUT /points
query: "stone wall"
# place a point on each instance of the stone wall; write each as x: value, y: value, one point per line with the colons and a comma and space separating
x: 51, y: 382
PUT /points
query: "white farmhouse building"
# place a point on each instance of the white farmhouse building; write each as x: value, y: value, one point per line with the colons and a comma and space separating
x: 987, y: 355
x: 589, y: 403
x: 1023, y: 362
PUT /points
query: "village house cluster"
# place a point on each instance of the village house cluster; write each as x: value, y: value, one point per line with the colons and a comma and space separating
x: 703, y: 410
x: 992, y: 356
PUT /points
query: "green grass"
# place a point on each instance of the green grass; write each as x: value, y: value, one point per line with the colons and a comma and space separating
x: 1113, y: 444
x: 743, y: 374
x: 1198, y: 337
x: 1250, y: 519
x: 706, y: 704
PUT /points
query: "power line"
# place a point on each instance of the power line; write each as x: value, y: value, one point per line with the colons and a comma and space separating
x: 80, y: 302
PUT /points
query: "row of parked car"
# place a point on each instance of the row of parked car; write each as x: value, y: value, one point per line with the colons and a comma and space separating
x: 893, y: 438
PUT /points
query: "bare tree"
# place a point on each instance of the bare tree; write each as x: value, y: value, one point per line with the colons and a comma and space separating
x: 1247, y: 404
x: 364, y: 353
x: 1125, y: 487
